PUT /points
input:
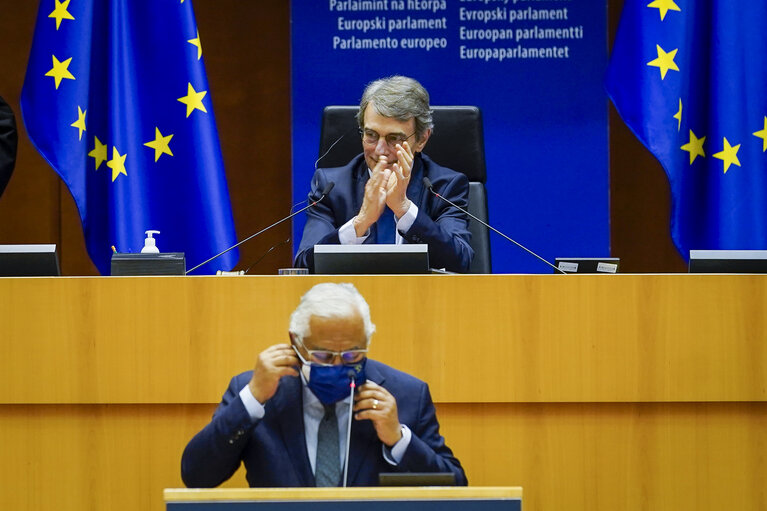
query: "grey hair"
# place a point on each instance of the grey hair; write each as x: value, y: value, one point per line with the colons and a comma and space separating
x: 330, y: 300
x: 401, y: 98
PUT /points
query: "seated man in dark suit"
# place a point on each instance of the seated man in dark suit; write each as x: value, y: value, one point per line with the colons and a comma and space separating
x: 287, y: 419
x: 8, y: 142
x: 383, y: 186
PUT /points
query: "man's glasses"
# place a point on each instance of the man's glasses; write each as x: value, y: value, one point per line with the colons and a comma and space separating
x: 326, y: 357
x: 370, y: 137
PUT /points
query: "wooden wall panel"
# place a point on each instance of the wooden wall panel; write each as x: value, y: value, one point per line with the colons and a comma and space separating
x: 521, y: 338
x: 665, y: 456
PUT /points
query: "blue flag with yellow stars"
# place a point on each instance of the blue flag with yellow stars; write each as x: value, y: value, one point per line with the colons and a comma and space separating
x: 689, y: 77
x: 116, y: 99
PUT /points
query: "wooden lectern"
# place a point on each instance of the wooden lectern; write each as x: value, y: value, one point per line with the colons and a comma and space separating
x: 433, y: 498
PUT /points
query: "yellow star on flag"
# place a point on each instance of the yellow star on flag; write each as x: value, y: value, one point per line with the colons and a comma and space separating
x: 694, y: 147
x: 61, y: 13
x: 193, y: 100
x: 664, y: 6
x: 729, y: 155
x: 665, y: 61
x: 196, y: 42
x: 117, y: 163
x: 60, y: 70
x: 678, y: 116
x: 80, y: 122
x: 99, y: 153
x: 160, y: 144
x: 762, y: 133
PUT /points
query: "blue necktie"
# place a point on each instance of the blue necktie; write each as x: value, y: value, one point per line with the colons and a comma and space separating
x: 385, y: 227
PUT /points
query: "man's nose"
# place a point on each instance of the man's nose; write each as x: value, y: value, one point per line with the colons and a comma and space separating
x: 382, y: 147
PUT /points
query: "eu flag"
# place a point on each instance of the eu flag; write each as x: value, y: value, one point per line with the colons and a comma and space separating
x: 689, y: 77
x: 117, y: 101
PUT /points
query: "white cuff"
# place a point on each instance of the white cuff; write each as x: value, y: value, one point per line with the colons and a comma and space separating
x: 254, y: 408
x: 394, y: 454
x: 406, y: 221
x: 348, y: 236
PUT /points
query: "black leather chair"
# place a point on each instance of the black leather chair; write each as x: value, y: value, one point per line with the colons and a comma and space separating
x: 457, y: 142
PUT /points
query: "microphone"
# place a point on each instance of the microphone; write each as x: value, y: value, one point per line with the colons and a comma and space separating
x: 352, y: 385
x: 329, y: 186
x: 428, y: 185
x: 317, y: 162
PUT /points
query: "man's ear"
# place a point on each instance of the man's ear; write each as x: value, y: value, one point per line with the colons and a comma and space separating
x: 418, y: 146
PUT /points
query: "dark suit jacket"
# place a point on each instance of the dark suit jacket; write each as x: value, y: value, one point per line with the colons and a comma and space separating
x: 274, y: 448
x: 8, y: 143
x: 441, y: 226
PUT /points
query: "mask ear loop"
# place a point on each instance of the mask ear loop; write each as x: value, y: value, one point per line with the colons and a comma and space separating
x: 304, y: 363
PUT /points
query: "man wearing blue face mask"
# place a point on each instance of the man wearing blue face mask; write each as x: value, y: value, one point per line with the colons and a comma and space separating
x: 287, y: 419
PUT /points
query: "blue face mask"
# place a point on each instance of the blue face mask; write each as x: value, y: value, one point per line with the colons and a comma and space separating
x: 331, y: 383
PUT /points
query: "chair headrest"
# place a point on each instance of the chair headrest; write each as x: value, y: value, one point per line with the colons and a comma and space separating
x: 457, y: 140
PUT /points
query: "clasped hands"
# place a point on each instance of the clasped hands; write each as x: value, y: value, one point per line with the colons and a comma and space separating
x: 387, y: 187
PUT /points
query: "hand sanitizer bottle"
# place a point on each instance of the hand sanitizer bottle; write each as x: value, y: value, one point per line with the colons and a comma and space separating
x: 149, y: 244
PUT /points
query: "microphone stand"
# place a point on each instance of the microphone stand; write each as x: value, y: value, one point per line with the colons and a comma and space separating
x: 428, y: 185
x: 352, y: 386
x: 325, y: 192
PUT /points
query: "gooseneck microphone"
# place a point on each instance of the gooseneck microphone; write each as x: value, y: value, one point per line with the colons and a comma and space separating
x: 428, y: 185
x: 352, y: 386
x: 325, y: 192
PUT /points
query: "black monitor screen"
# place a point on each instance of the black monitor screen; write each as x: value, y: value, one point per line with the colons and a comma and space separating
x: 371, y: 259
x: 28, y: 261
x: 728, y: 261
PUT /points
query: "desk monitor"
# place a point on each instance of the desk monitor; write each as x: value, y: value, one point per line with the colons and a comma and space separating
x: 416, y: 479
x: 728, y: 261
x: 587, y: 264
x: 371, y: 259
x: 29, y: 261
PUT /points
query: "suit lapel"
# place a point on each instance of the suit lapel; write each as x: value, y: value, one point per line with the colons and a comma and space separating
x: 289, y: 406
x: 415, y: 189
x: 361, y: 177
x: 362, y: 436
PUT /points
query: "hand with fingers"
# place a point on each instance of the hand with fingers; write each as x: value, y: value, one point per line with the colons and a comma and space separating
x: 374, y: 199
x: 375, y: 403
x: 273, y: 363
x: 396, y: 191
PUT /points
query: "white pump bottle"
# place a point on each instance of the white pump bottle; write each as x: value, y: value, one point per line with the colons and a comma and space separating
x: 149, y: 244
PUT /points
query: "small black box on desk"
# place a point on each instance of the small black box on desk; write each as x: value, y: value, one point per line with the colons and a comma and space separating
x: 170, y: 263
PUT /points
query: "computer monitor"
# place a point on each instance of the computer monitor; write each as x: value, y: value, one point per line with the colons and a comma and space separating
x: 371, y: 259
x: 29, y: 261
x: 728, y: 261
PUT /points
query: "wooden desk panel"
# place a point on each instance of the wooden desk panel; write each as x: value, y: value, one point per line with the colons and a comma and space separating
x: 525, y: 338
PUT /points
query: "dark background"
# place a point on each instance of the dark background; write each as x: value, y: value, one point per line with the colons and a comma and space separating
x: 246, y: 47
